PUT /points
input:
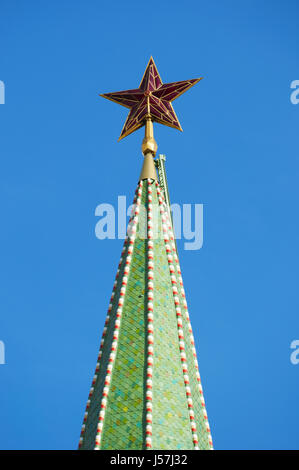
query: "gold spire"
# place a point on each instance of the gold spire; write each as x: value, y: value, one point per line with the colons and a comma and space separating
x: 149, y: 144
x: 149, y: 149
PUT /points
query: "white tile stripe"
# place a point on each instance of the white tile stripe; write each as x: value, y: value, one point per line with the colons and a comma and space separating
x: 150, y: 318
x: 106, y: 325
x: 179, y: 320
x: 191, y: 337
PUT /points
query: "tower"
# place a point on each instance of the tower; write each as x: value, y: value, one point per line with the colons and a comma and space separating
x: 146, y: 392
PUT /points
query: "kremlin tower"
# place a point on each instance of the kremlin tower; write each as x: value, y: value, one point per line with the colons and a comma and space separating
x: 146, y: 391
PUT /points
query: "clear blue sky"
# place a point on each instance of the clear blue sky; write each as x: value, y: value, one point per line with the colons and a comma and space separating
x: 60, y: 158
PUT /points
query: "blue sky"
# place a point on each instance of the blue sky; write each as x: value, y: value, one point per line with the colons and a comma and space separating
x: 60, y: 158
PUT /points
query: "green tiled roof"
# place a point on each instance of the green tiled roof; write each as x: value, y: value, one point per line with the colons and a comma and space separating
x: 146, y: 392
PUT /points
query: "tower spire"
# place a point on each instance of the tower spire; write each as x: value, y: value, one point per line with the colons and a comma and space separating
x: 146, y: 392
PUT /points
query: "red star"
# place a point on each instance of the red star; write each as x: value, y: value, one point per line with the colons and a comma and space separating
x: 152, y: 98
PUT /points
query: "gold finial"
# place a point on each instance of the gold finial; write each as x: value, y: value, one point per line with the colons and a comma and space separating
x: 151, y: 102
x: 149, y: 149
x: 149, y: 144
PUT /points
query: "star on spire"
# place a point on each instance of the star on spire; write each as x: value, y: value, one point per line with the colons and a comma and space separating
x: 152, y: 99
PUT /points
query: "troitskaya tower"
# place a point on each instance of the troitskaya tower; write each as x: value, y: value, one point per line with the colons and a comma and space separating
x: 146, y: 392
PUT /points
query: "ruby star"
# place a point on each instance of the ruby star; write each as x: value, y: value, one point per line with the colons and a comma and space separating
x: 152, y: 98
